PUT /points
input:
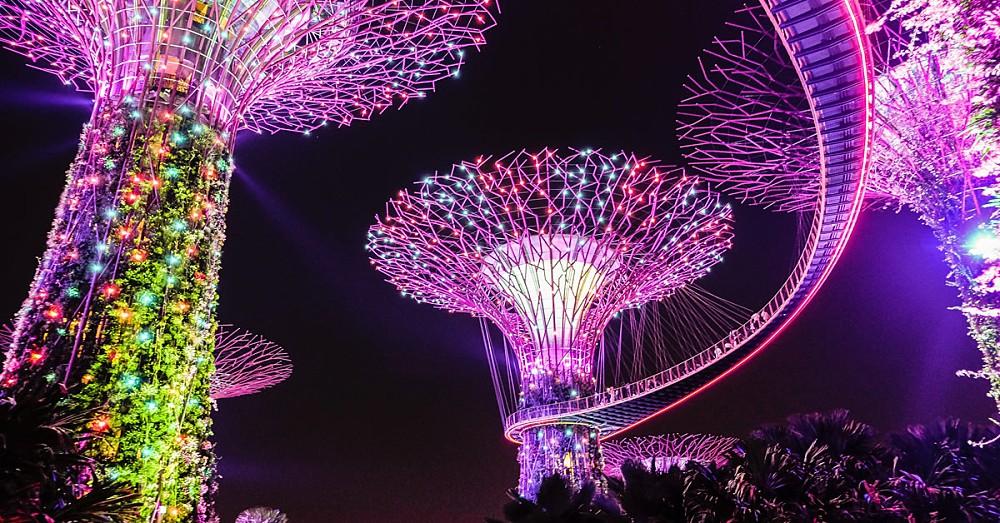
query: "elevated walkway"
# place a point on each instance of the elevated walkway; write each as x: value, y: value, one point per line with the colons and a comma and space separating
x: 826, y: 42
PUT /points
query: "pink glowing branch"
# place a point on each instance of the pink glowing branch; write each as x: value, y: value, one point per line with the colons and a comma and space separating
x: 925, y: 157
x: 262, y: 65
x: 6, y: 336
x: 746, y: 124
x: 246, y: 364
x: 664, y: 452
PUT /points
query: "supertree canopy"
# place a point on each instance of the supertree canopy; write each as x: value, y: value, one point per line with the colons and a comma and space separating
x: 246, y: 364
x: 935, y: 149
x: 121, y: 310
x: 746, y: 123
x: 549, y: 247
x: 663, y: 452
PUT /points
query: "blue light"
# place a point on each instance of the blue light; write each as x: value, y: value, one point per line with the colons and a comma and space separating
x: 984, y: 244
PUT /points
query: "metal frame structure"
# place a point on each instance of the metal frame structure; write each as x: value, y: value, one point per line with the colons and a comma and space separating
x: 665, y: 451
x: 549, y: 247
x: 832, y: 58
x: 246, y: 363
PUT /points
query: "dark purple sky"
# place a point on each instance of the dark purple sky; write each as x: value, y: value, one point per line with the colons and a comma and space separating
x: 390, y: 414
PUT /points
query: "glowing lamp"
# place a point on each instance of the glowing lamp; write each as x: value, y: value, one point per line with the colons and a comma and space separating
x: 985, y: 244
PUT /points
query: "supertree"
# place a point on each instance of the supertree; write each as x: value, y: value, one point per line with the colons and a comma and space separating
x: 933, y: 151
x: 261, y: 515
x: 121, y: 310
x: 665, y: 451
x: 246, y: 364
x: 549, y: 247
x: 746, y: 124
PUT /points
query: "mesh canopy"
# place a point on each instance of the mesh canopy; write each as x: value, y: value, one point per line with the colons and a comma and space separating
x: 262, y: 65
x: 549, y: 246
x: 666, y: 451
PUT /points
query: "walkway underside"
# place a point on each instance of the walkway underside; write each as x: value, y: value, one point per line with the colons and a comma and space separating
x: 828, y: 47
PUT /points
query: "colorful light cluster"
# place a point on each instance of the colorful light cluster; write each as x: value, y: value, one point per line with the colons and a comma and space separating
x: 121, y: 310
x: 244, y: 363
x: 549, y: 247
x: 663, y: 452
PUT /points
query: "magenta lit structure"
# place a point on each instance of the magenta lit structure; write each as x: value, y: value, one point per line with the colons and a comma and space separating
x: 662, y: 452
x: 933, y: 148
x: 832, y: 66
x: 121, y: 311
x: 746, y: 123
x: 549, y: 245
x: 246, y: 363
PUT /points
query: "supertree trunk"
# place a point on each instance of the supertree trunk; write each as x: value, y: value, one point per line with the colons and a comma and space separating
x: 572, y: 451
x: 121, y: 311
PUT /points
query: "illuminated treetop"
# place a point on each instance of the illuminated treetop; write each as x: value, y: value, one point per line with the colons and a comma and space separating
x: 262, y: 65
x: 550, y: 246
x: 663, y: 452
x: 746, y: 123
x: 246, y: 364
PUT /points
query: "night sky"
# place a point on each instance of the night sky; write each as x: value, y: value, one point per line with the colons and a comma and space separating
x: 390, y: 413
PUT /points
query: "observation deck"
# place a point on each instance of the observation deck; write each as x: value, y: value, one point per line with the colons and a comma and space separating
x: 831, y: 54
